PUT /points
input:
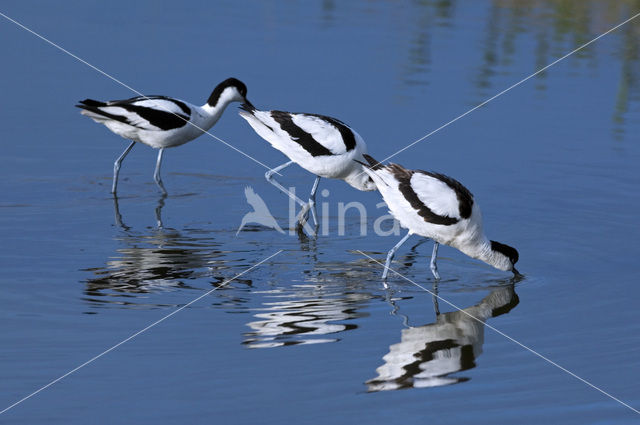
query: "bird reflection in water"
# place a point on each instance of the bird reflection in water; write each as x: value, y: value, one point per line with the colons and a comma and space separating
x: 426, y: 356
x: 309, y: 313
x: 118, y: 217
x: 159, y: 259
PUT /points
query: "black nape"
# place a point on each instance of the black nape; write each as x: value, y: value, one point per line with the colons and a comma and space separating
x: 509, y: 252
x: 229, y: 82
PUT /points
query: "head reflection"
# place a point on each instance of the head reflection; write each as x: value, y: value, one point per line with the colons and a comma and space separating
x: 428, y: 355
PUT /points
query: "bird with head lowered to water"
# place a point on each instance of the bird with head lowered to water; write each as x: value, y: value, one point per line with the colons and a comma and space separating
x: 440, y: 208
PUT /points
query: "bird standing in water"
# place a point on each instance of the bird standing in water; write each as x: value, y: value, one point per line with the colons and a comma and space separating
x: 440, y: 208
x: 322, y: 145
x: 160, y: 121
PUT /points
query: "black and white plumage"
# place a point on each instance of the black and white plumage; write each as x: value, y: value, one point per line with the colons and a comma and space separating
x: 322, y: 145
x: 431, y: 355
x: 440, y: 208
x: 160, y: 121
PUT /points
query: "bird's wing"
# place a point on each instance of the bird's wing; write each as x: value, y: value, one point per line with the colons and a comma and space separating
x: 316, y: 134
x: 163, y: 103
x: 151, y: 113
x: 263, y: 124
x: 286, y: 127
x: 442, y: 195
x: 329, y: 132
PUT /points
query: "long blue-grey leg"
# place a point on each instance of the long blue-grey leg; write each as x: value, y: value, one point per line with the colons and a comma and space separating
x: 311, y: 205
x: 269, y: 176
x: 392, y: 252
x: 156, y: 174
x: 433, y: 265
x: 116, y: 167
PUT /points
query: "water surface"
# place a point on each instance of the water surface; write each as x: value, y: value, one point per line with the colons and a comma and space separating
x: 312, y: 336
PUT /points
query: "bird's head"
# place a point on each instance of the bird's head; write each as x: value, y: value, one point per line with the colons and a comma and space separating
x: 507, y: 257
x: 230, y: 90
x: 361, y: 180
x: 362, y: 177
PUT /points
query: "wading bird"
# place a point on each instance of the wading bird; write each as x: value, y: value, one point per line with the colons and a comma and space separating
x: 440, y: 208
x: 160, y: 121
x: 322, y: 145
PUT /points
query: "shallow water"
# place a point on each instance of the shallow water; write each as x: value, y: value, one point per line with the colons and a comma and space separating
x: 311, y: 335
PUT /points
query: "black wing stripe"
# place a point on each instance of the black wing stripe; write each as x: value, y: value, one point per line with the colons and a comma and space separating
x: 404, y: 185
x: 423, y: 211
x: 300, y: 136
x: 158, y: 118
x: 90, y: 102
x: 373, y: 164
x: 347, y: 135
x: 465, y: 198
x: 183, y: 106
x: 96, y: 110
x: 164, y: 120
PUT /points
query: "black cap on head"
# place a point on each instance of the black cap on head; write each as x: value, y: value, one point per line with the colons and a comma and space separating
x: 229, y: 82
x: 506, y: 250
x: 234, y: 82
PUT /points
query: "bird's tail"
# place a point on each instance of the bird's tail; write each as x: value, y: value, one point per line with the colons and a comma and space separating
x: 248, y: 107
x: 91, y: 108
x: 90, y: 103
x: 372, y: 163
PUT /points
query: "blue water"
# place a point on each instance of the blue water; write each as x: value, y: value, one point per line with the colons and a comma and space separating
x: 311, y: 335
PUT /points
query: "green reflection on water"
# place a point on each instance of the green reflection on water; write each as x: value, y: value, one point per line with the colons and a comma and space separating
x: 544, y: 30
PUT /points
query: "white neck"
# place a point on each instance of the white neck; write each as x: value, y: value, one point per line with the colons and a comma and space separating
x: 481, y: 250
x: 213, y: 113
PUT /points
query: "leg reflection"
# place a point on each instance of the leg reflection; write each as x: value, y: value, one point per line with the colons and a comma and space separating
x: 395, y: 308
x: 117, y: 215
x: 436, y: 307
x: 159, y: 210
